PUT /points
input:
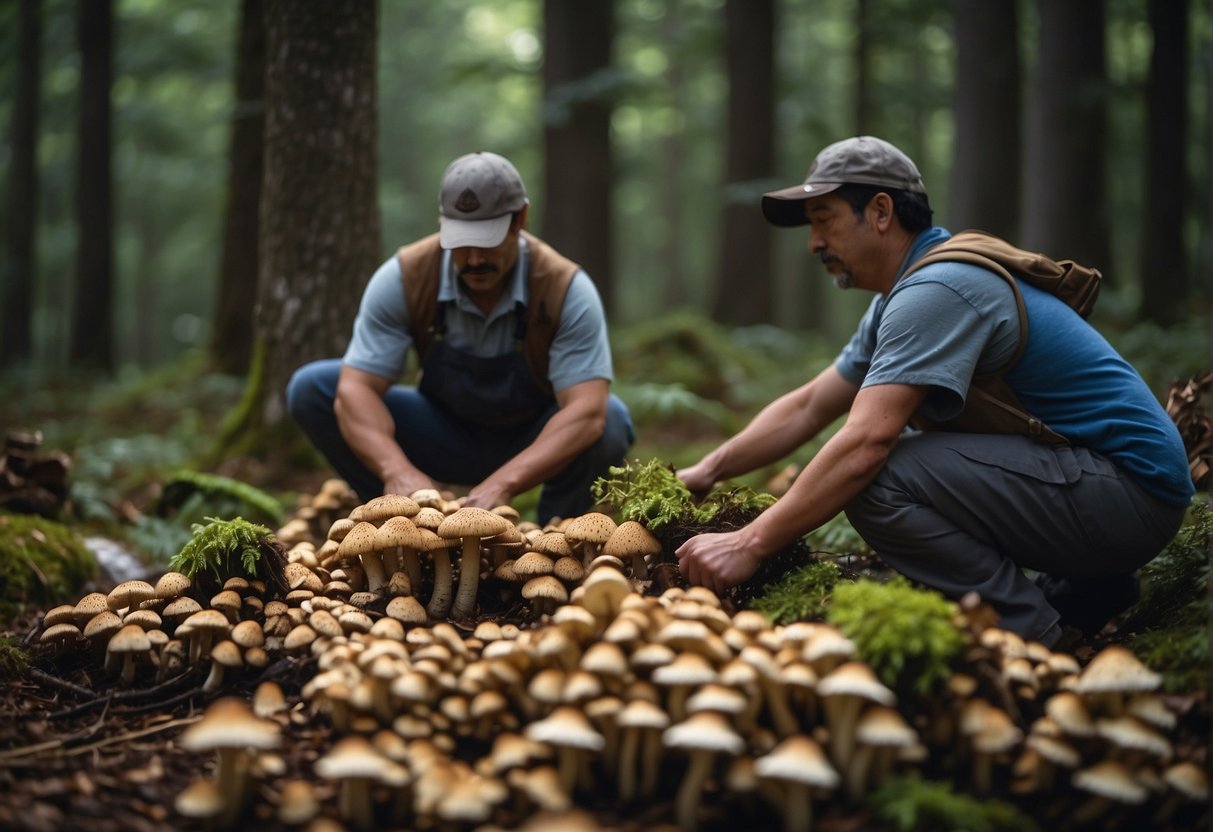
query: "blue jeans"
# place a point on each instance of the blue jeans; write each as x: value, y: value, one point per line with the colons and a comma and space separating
x: 447, y: 449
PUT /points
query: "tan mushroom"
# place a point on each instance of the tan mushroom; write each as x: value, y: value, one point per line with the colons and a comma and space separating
x: 801, y: 766
x: 634, y: 544
x: 470, y: 525
x: 703, y: 736
x: 229, y: 728
x: 569, y: 731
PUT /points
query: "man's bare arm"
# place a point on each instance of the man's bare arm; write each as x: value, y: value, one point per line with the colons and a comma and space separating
x: 368, y: 428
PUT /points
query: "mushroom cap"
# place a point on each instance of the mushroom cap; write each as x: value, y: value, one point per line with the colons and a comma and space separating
x: 591, y: 527
x: 1151, y: 708
x: 359, y: 541
x: 1110, y: 779
x: 827, y: 642
x: 797, y: 759
x: 547, y: 587
x: 1054, y: 749
x: 641, y: 713
x: 147, y: 619
x: 130, y: 594
x: 855, y: 679
x: 227, y: 653
x: 247, y: 634
x: 130, y: 639
x: 1189, y: 779
x: 64, y: 613
x: 380, y: 509
x: 704, y: 731
x: 89, y: 606
x: 630, y: 539
x: 1116, y: 670
x: 102, y: 625
x: 470, y: 521
x: 63, y: 631
x: 996, y: 731
x: 604, y: 590
x: 353, y: 756
x: 532, y: 564
x: 397, y: 530
x: 718, y: 698
x: 406, y: 609
x: 230, y: 723
x: 568, y: 569
x: 882, y: 725
x: 685, y: 669
x: 566, y: 726
x: 200, y: 799
x: 1068, y: 710
x: 554, y: 544
x: 1131, y: 733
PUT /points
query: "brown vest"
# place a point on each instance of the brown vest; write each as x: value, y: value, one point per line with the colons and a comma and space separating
x: 550, y: 274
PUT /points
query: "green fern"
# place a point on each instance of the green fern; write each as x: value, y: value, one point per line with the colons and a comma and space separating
x: 217, y: 546
x: 187, y: 489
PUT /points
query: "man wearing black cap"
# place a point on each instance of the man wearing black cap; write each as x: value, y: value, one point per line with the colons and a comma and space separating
x: 515, y: 362
x: 957, y: 511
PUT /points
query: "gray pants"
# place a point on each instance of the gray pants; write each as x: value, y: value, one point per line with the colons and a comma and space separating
x: 964, y: 512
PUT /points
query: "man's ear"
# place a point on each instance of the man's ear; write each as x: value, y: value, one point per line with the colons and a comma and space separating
x: 520, y: 217
x: 880, y: 210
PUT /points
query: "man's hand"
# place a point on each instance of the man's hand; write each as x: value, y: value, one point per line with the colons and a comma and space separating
x: 407, y: 483
x: 487, y: 496
x: 718, y: 561
x: 698, y: 479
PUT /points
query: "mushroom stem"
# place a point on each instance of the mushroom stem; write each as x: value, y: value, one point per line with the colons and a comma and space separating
x: 372, y: 564
x: 777, y: 703
x: 797, y: 808
x: 650, y: 760
x: 412, y: 566
x: 440, y: 598
x: 469, y: 579
x: 627, y: 763
x: 687, y: 800
x: 354, y: 802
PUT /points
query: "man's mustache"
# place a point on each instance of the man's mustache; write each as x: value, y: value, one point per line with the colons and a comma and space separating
x: 485, y: 268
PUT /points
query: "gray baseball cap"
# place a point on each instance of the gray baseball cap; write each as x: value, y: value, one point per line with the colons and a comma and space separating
x: 862, y: 160
x: 480, y: 192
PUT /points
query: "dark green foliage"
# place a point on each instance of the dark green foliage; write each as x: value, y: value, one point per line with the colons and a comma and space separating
x: 1171, y: 621
x: 41, y: 562
x: 911, y: 804
x: 838, y: 537
x: 909, y: 636
x: 224, y: 548
x: 13, y: 659
x: 801, y: 594
x: 224, y: 496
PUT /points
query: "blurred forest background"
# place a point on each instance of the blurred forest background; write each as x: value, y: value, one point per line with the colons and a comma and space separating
x: 196, y: 192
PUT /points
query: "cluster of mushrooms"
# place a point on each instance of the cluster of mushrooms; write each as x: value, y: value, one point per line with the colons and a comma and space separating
x: 606, y: 693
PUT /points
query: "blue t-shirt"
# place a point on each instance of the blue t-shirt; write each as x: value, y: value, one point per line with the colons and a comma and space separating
x: 382, y: 336
x: 950, y: 321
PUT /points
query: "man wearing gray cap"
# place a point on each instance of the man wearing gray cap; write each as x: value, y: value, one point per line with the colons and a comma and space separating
x: 1069, y: 466
x: 515, y: 362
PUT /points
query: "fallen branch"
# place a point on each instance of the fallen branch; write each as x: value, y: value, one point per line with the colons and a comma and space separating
x: 62, y: 684
x: 23, y: 756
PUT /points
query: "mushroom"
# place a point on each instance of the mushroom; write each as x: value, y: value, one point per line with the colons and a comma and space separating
x: 588, y: 533
x: 843, y: 692
x: 1107, y: 781
x: 229, y: 728
x: 688, y: 670
x: 200, y: 801
x: 544, y: 593
x: 129, y: 594
x: 224, y: 654
x: 1112, y: 676
x: 1189, y: 783
x: 702, y: 736
x: 297, y: 803
x: 470, y: 525
x: 359, y: 544
x: 799, y: 763
x: 440, y: 597
x: 355, y: 762
x: 879, y: 735
x: 400, y: 535
x: 569, y: 731
x: 641, y: 723
x: 126, y: 643
x: 632, y: 542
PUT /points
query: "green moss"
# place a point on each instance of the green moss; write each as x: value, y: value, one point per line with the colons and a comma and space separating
x: 911, y: 804
x: 909, y: 636
x: 802, y: 593
x: 223, y: 548
x: 13, y: 659
x: 41, y: 562
x: 651, y: 494
x: 234, y: 496
x: 1169, y: 626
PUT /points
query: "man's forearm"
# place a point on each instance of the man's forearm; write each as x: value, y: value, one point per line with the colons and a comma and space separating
x: 369, y: 430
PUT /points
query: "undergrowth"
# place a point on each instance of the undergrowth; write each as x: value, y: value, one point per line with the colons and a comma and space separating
x: 800, y: 595
x: 223, y: 548
x: 41, y: 562
x: 911, y: 804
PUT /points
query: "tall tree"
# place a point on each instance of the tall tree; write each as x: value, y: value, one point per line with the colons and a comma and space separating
x: 863, y: 92
x: 232, y: 341
x: 1065, y: 210
x: 16, y: 341
x: 986, y: 106
x: 744, y: 285
x: 92, y: 318
x: 577, y: 103
x: 1164, y: 272
x: 673, y: 149
x: 320, y: 233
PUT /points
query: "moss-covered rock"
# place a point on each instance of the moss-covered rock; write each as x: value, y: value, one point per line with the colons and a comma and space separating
x: 41, y: 562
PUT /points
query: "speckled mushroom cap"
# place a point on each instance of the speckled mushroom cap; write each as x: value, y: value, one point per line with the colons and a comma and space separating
x: 397, y: 531
x: 470, y: 521
x: 359, y: 541
x: 130, y: 594
x: 591, y: 527
x: 380, y: 509
x: 406, y: 609
x: 89, y: 606
x: 532, y: 564
x: 554, y: 544
x: 630, y: 539
x: 798, y: 759
x: 130, y: 639
x: 546, y: 587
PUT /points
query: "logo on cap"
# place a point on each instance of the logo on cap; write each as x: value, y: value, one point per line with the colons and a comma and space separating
x: 467, y: 202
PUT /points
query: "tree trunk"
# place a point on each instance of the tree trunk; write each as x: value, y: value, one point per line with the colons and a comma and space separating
x: 864, y: 105
x: 743, y: 287
x: 92, y: 318
x: 1164, y: 273
x: 1065, y: 208
x: 987, y: 123
x: 16, y: 341
x: 673, y: 150
x: 232, y: 339
x: 320, y: 232
x: 578, y: 175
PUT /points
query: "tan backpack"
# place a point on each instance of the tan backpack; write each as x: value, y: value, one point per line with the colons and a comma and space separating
x: 991, y: 406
